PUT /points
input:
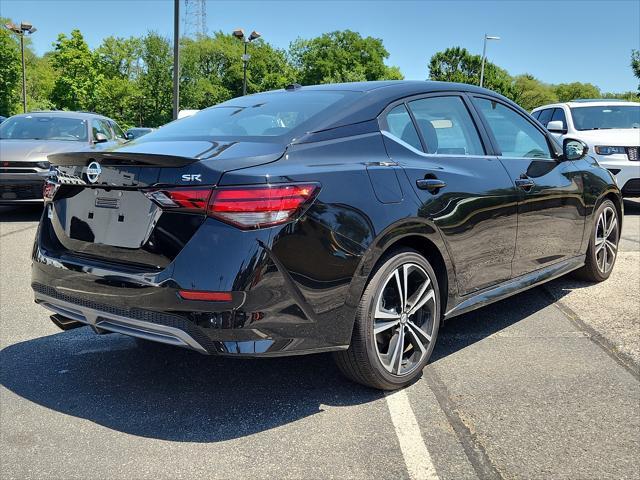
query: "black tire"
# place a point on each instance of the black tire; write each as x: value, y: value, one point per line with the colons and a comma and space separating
x: 592, y: 271
x: 362, y: 362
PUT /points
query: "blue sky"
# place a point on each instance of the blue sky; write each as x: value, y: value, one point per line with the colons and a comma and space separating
x: 557, y: 41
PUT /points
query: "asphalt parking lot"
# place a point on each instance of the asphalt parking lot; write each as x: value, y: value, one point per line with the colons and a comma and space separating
x: 542, y: 385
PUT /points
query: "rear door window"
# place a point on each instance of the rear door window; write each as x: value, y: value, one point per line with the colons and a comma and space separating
x: 400, y: 125
x: 446, y: 126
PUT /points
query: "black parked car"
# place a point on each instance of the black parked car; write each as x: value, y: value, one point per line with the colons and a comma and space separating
x: 351, y: 218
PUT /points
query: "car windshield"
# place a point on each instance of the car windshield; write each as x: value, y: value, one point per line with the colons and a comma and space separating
x: 608, y: 116
x: 261, y: 117
x: 42, y: 127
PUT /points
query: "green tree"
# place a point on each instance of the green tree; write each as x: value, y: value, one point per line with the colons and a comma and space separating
x: 41, y: 77
x: 456, y: 64
x: 155, y: 81
x: 77, y: 77
x: 10, y: 72
x: 211, y: 69
x: 119, y: 57
x: 529, y: 92
x: 341, y: 56
x: 573, y: 91
x: 635, y: 65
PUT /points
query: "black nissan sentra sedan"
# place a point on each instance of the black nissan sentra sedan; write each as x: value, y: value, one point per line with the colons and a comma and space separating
x: 350, y: 218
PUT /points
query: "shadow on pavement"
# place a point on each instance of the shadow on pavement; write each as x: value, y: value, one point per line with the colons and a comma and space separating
x: 26, y: 213
x: 168, y: 393
x: 632, y: 206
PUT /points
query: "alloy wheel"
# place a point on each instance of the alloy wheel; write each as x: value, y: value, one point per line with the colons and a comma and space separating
x: 404, y: 316
x: 606, y: 239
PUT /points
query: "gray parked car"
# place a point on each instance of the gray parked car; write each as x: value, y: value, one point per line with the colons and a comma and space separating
x: 27, y: 139
x: 137, y: 132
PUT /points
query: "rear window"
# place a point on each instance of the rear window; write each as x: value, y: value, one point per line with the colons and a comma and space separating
x: 42, y: 127
x: 262, y: 116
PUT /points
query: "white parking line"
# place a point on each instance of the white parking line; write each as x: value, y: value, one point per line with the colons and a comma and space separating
x: 415, y: 453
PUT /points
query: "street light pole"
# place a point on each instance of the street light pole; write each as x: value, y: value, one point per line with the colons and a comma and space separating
x: 245, y: 60
x: 484, y: 55
x: 176, y: 58
x: 239, y: 34
x: 21, y: 30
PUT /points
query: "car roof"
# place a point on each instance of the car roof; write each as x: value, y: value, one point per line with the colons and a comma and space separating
x: 62, y: 113
x: 595, y: 102
x: 377, y: 95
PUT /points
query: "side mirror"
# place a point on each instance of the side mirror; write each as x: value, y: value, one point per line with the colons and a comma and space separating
x: 573, y: 149
x: 556, y: 126
x: 129, y: 136
x: 100, y: 138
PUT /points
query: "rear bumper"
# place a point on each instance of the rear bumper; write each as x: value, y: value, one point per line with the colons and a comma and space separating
x: 273, y: 312
x: 163, y: 330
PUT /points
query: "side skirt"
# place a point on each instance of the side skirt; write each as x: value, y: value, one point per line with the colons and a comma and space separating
x: 515, y: 285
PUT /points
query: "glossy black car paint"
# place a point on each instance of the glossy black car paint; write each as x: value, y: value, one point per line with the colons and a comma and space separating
x: 296, y: 286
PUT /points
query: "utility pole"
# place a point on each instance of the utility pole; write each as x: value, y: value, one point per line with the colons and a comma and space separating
x: 176, y: 58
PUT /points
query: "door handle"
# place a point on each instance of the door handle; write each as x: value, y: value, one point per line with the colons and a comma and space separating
x: 525, y: 183
x: 430, y: 184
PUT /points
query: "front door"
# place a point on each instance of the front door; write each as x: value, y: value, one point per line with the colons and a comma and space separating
x: 550, y: 216
x: 466, y: 193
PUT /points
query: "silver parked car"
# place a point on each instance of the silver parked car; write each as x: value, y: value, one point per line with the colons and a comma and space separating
x: 27, y: 139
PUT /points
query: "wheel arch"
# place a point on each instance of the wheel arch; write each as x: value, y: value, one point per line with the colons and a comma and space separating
x: 419, y: 235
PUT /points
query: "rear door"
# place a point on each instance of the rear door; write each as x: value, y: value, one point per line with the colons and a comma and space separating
x: 550, y: 213
x: 460, y: 185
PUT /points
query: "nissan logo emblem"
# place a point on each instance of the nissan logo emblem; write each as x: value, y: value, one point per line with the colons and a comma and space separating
x: 93, y: 172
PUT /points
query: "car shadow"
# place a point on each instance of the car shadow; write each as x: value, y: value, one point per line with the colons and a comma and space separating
x: 632, y: 206
x: 25, y: 213
x: 164, y: 392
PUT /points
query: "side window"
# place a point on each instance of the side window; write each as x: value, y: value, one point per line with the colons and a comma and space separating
x: 516, y: 136
x: 558, y: 114
x: 117, y: 130
x: 399, y: 125
x: 446, y: 126
x: 100, y: 126
x: 545, y: 116
x: 536, y: 114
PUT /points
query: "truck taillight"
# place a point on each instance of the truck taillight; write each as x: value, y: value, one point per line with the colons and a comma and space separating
x: 246, y: 207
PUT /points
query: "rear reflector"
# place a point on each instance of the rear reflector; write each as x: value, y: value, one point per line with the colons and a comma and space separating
x: 205, y: 296
x: 245, y: 207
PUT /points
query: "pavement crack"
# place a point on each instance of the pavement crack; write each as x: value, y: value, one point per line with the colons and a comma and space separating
x: 473, y: 448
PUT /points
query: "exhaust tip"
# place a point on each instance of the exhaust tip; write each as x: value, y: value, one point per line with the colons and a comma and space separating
x: 64, y: 323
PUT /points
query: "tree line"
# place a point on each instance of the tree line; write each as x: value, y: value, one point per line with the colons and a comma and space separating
x: 130, y: 79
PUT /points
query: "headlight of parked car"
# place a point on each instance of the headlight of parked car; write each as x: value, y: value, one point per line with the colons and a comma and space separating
x: 43, y: 164
x: 610, y: 150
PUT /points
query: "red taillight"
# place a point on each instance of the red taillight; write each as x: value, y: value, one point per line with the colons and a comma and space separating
x: 205, y: 296
x: 255, y: 207
x: 186, y: 199
x: 245, y: 207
